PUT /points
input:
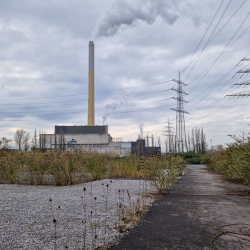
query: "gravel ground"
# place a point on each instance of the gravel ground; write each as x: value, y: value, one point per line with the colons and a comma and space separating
x: 82, y: 222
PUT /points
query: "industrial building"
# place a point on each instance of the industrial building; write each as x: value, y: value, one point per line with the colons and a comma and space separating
x: 92, y: 137
x: 88, y: 138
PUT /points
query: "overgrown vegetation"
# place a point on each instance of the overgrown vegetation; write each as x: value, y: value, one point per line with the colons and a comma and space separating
x: 233, y: 162
x: 67, y: 168
x: 191, y: 157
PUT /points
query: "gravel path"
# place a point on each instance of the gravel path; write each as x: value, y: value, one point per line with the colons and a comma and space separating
x: 84, y: 219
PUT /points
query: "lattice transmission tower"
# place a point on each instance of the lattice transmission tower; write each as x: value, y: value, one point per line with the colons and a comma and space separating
x: 240, y: 94
x: 242, y: 84
x: 170, y: 144
x: 180, y: 120
x: 241, y: 74
x: 245, y: 59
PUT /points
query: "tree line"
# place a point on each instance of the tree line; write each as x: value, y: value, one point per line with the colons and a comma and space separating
x: 194, y: 141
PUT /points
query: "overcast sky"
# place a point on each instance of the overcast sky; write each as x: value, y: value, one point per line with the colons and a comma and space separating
x: 139, y: 46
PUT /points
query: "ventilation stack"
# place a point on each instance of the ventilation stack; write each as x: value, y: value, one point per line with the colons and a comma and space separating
x: 91, y: 88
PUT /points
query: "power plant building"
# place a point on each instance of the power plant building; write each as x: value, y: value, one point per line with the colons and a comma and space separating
x: 88, y: 138
x: 91, y: 137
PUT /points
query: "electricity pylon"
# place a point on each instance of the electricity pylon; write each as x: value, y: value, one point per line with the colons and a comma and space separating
x: 240, y: 94
x: 244, y: 84
x: 245, y: 59
x: 242, y: 74
x: 169, y: 134
x: 180, y: 120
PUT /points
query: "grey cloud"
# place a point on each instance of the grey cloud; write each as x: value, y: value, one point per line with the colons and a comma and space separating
x: 44, y: 51
x: 125, y: 13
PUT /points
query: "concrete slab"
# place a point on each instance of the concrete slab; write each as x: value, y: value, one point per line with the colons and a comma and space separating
x: 190, y: 216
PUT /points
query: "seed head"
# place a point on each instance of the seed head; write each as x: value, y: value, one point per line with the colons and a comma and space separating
x: 50, y: 199
x: 54, y: 220
x: 84, y: 189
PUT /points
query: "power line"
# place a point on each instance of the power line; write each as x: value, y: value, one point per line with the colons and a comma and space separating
x: 224, y: 113
x: 216, y: 84
x: 214, y: 38
x: 209, y: 93
x: 218, y: 110
x: 225, y: 48
x: 110, y: 114
x: 209, y: 39
x: 118, y: 106
x: 120, y: 97
x: 191, y: 59
x: 47, y: 97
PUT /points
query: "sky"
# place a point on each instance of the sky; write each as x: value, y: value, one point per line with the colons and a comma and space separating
x: 140, y: 48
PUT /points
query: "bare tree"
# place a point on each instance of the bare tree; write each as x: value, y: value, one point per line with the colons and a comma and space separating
x: 197, y: 142
x: 21, y: 138
x: 166, y: 145
x: 26, y: 142
x: 34, y: 140
x: 43, y: 141
x: 50, y: 143
x: 147, y: 143
x: 189, y: 144
x: 159, y: 142
x: 62, y: 141
x: 153, y: 148
x: 4, y: 142
x: 175, y: 144
x: 55, y: 135
x: 139, y: 146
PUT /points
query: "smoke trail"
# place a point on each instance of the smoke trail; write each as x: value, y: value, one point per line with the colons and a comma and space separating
x: 141, y: 129
x: 109, y: 108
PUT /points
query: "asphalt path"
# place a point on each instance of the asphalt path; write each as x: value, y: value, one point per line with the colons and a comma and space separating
x: 189, y: 216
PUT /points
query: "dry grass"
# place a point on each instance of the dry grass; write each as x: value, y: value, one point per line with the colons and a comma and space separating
x: 68, y: 168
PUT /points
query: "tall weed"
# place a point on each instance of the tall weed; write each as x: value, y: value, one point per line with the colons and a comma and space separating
x: 68, y: 168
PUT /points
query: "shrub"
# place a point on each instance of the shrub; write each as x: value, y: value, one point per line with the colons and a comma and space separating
x: 69, y: 168
x: 165, y: 172
x: 233, y: 162
x: 191, y: 157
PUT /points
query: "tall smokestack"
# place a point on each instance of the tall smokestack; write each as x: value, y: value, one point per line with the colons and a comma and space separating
x: 91, y: 102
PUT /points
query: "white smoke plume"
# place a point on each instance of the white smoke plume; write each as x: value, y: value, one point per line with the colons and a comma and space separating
x: 125, y: 13
x: 109, y: 108
x: 141, y: 129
